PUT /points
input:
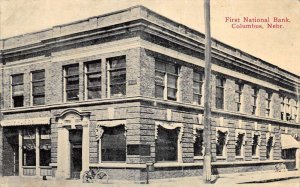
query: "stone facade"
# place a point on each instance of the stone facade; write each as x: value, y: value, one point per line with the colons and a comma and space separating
x: 143, y: 37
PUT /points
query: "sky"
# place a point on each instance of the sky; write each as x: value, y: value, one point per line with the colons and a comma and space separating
x: 280, y: 47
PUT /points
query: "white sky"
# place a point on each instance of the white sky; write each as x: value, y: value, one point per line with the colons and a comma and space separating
x: 280, y: 47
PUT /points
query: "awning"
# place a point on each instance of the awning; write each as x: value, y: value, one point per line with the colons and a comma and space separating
x: 288, y: 142
x: 26, y: 121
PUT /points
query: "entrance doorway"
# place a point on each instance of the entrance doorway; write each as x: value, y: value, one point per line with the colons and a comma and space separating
x: 75, y: 137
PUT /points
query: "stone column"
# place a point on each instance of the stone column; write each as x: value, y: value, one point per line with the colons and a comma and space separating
x: 63, y: 153
x: 85, y: 146
x: 37, y: 151
x: 20, y: 153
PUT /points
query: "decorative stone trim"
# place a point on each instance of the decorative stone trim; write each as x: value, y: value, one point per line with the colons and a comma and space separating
x: 195, y: 128
x: 170, y: 126
x: 99, y: 130
x: 269, y: 135
x: 224, y: 130
x: 259, y: 136
x: 240, y: 131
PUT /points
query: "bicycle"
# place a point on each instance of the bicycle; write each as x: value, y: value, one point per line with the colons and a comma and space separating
x: 95, y: 176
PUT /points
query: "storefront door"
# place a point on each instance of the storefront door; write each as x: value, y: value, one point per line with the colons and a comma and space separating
x: 76, y: 152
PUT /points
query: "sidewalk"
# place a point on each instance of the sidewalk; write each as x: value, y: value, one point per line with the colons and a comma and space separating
x: 235, y: 179
x: 258, y: 177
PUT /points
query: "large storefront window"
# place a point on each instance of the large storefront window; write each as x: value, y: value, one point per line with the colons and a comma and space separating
x: 45, y: 146
x: 29, y: 147
x: 113, y: 144
x: 166, y: 144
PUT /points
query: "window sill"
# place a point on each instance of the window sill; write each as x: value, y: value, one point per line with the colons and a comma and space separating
x: 198, y: 157
x: 117, y: 165
x: 176, y: 164
x: 221, y: 157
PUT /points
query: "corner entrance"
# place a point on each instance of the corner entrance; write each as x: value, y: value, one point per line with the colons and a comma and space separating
x: 75, y: 137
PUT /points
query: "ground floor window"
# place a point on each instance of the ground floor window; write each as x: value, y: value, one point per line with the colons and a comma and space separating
x: 113, y: 144
x: 198, y: 143
x: 255, y: 145
x: 239, y: 145
x: 240, y: 138
x: 167, y: 144
x: 288, y: 153
x: 221, y: 142
x: 269, y: 148
x: 29, y: 147
x: 45, y: 146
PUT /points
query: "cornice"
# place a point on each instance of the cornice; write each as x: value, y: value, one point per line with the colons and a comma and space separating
x: 144, y: 22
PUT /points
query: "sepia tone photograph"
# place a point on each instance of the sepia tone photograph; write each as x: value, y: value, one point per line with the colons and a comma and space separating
x: 149, y: 93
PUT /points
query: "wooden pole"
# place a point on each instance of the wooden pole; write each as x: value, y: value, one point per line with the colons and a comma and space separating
x: 207, y: 96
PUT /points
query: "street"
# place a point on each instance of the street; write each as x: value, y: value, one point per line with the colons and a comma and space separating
x: 27, y: 182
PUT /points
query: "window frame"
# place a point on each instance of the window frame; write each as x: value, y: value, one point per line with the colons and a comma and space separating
x: 166, y: 75
x: 220, y: 87
x: 109, y: 70
x: 255, y: 100
x: 257, y: 145
x: 242, y: 143
x: 198, y: 130
x: 87, y: 73
x: 239, y: 93
x: 12, y: 90
x: 225, y: 131
x: 201, y: 85
x: 268, y: 101
x: 32, y: 95
x: 65, y: 76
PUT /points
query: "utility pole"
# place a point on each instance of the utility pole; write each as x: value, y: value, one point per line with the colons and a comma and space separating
x: 207, y: 96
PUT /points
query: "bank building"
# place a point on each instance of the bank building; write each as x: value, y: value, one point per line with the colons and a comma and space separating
x: 119, y: 90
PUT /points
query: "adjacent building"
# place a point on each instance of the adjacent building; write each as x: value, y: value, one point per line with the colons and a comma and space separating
x: 116, y: 91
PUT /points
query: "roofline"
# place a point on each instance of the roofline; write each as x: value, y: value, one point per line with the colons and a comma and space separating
x: 164, y: 17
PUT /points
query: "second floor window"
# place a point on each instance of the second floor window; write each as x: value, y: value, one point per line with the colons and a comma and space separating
x: 71, y: 78
x: 166, y: 80
x: 238, y: 96
x: 268, y: 103
x: 38, y: 87
x: 220, y: 93
x: 254, y: 100
x: 93, y: 80
x: 117, y: 76
x: 197, y: 87
x: 295, y: 112
x: 17, y: 87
